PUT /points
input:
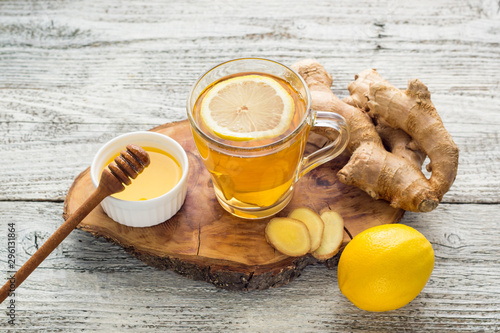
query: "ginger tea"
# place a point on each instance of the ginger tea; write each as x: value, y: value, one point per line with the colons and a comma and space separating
x: 253, y: 167
x: 162, y: 174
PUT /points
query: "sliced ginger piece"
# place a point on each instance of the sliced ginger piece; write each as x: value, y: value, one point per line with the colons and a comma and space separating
x: 288, y: 236
x: 332, y: 235
x: 313, y: 222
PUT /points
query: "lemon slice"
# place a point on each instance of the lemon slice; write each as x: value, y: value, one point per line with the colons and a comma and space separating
x: 247, y: 107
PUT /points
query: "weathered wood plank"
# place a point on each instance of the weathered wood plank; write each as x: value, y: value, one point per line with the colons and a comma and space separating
x: 91, y: 284
x: 60, y: 150
x: 449, y: 228
x: 74, y: 75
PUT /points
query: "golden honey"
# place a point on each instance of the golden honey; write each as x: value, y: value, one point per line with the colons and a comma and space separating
x: 163, y: 173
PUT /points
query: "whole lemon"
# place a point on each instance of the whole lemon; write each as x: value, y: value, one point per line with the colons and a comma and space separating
x: 385, y: 267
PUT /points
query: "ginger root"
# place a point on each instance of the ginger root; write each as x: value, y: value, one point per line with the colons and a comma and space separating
x: 332, y: 236
x: 289, y: 236
x: 413, y: 112
x: 304, y: 231
x: 406, y: 122
x: 313, y: 222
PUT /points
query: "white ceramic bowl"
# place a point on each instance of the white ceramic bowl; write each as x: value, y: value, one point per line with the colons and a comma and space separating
x: 148, y: 212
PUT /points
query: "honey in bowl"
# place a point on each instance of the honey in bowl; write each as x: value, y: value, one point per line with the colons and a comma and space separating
x: 163, y: 173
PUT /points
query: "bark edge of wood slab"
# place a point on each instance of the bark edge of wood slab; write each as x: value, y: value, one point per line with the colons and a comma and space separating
x: 204, y: 242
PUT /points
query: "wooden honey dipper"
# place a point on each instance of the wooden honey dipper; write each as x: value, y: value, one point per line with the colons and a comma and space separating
x: 128, y: 164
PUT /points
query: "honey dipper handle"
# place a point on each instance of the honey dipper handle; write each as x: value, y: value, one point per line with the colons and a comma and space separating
x: 59, y: 235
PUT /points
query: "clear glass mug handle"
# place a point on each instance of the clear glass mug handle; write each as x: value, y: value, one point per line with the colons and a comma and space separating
x: 331, y: 124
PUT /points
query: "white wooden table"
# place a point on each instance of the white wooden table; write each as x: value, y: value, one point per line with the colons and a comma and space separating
x: 74, y: 74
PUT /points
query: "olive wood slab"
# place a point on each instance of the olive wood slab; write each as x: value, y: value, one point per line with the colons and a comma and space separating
x: 204, y: 242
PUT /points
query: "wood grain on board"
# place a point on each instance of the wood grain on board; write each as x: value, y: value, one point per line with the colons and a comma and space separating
x: 204, y: 242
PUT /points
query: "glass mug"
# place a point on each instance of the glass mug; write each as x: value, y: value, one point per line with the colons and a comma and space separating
x: 256, y: 179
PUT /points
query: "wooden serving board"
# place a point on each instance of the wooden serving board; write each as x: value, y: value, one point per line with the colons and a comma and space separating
x: 204, y: 242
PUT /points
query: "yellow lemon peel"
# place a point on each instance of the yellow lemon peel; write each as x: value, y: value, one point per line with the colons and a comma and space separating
x: 385, y: 267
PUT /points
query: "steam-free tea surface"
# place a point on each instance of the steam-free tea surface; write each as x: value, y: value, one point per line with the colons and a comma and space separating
x: 204, y: 242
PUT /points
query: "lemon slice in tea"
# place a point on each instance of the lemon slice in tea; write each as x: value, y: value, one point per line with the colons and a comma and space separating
x: 247, y: 107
